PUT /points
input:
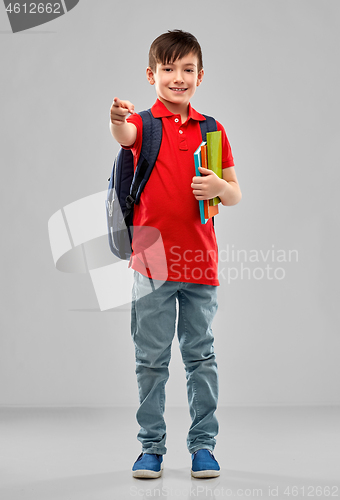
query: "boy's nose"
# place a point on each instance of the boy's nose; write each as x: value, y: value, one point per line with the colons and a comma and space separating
x: 178, y: 77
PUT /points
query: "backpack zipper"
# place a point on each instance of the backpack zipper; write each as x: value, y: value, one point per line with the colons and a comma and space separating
x: 114, y: 177
x: 110, y: 207
x: 110, y: 204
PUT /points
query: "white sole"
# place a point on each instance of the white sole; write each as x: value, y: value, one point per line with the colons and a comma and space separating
x: 151, y: 474
x: 205, y: 473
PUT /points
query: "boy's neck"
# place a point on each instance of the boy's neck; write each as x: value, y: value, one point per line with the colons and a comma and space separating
x: 176, y: 109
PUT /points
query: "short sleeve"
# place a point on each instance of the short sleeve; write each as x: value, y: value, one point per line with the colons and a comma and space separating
x: 227, y: 156
x: 136, y: 119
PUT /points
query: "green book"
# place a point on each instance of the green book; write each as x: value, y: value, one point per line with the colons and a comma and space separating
x: 214, y: 152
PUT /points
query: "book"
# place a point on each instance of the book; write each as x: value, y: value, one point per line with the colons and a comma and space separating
x: 209, y: 210
x: 214, y: 154
x: 204, y: 163
x: 198, y: 163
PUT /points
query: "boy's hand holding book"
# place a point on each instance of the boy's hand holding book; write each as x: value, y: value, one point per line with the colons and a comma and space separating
x: 208, y: 186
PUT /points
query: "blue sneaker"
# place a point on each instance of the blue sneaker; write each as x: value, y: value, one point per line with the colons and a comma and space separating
x: 148, y: 465
x: 204, y: 464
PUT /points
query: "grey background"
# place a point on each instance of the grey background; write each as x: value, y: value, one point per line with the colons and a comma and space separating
x: 272, y: 79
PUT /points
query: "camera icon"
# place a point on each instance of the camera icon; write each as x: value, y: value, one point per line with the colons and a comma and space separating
x: 78, y: 237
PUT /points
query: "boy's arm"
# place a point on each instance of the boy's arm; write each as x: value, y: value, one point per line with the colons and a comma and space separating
x: 125, y: 133
x: 231, y: 192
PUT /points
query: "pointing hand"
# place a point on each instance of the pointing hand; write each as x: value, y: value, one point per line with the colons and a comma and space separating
x: 119, y: 111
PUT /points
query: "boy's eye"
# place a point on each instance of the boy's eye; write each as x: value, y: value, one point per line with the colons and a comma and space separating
x: 170, y: 69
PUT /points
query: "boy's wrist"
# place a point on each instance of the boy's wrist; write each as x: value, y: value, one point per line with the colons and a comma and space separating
x: 230, y: 193
x: 125, y: 133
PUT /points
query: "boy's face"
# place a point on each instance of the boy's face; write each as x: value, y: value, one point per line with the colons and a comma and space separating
x: 176, y: 82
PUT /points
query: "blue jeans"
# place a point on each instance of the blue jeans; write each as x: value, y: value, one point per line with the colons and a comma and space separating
x: 153, y: 319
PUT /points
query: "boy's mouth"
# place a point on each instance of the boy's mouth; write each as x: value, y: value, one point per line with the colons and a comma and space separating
x: 178, y: 89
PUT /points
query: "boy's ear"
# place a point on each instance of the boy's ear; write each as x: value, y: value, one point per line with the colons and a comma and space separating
x: 150, y: 76
x: 200, y: 77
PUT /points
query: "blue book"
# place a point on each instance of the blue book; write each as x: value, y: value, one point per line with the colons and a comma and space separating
x: 198, y: 163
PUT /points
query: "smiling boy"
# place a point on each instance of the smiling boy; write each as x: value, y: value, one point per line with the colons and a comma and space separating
x: 169, y: 203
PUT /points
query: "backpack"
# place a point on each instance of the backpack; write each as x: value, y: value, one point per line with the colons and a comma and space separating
x: 126, y: 186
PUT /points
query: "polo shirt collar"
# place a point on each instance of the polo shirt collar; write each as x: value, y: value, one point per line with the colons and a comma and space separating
x: 159, y: 110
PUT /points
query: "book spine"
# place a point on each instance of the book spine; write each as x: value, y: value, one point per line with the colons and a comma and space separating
x: 214, y: 153
x: 204, y: 159
x: 198, y: 163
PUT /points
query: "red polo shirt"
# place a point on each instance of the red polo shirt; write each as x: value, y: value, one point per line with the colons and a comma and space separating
x: 187, y: 250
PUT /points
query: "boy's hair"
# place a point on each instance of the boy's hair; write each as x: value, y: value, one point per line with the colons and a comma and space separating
x: 173, y: 45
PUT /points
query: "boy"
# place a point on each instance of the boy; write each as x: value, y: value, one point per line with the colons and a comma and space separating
x: 169, y: 203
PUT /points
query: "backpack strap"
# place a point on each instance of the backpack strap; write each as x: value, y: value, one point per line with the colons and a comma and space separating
x: 151, y: 143
x: 208, y: 125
